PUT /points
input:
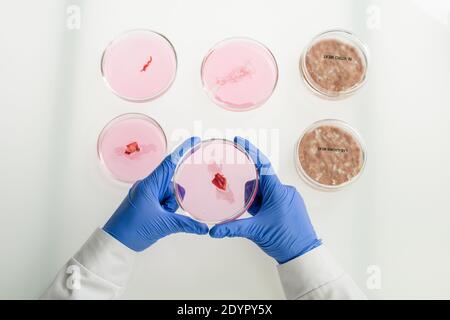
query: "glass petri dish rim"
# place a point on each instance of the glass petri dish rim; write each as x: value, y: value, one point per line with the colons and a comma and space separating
x: 191, y: 151
x: 130, y: 115
x: 211, y: 50
x: 338, y: 95
x: 342, y: 125
x: 119, y: 36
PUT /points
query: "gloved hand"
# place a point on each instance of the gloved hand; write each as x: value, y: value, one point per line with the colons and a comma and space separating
x: 147, y: 214
x: 280, y: 225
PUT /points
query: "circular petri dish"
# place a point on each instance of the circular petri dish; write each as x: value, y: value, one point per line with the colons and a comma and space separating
x: 139, y: 65
x: 334, y: 65
x: 131, y: 146
x: 239, y: 74
x: 215, y: 181
x: 330, y: 155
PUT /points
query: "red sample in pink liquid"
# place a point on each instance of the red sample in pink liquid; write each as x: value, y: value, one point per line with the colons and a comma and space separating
x: 220, y: 181
x: 144, y: 68
x: 215, y: 181
x: 139, y: 65
x: 131, y: 146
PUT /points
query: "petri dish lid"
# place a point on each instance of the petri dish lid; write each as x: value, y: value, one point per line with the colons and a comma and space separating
x: 330, y: 155
x: 334, y: 65
x: 139, y: 65
x: 215, y: 181
x: 131, y: 146
x: 239, y: 74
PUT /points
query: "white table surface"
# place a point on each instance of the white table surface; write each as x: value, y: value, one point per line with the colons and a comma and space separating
x: 54, y: 104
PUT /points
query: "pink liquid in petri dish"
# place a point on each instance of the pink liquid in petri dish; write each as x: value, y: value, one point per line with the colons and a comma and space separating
x: 239, y: 74
x: 215, y: 181
x: 131, y: 146
x: 140, y: 65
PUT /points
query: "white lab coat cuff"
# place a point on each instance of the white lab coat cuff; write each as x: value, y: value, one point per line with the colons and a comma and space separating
x: 308, y: 272
x: 107, y: 258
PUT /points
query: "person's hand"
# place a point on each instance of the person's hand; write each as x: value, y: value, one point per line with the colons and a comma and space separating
x: 147, y: 214
x: 280, y: 225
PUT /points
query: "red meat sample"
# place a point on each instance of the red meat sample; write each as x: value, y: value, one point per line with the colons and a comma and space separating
x: 145, y: 66
x: 220, y: 181
x: 132, y: 148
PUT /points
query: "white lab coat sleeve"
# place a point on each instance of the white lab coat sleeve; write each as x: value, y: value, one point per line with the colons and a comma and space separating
x: 99, y: 270
x: 316, y: 275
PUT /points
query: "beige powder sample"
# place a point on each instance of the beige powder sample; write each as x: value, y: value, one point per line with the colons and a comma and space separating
x: 334, y: 66
x: 330, y: 155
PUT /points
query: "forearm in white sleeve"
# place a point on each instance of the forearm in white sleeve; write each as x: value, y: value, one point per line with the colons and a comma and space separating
x: 316, y: 275
x: 99, y: 270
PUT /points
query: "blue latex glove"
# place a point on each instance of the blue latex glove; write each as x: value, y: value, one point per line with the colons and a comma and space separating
x: 147, y: 214
x: 280, y: 225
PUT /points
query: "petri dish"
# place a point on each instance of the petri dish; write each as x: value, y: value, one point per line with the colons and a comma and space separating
x: 239, y: 74
x: 330, y: 155
x: 131, y: 146
x: 139, y: 65
x: 334, y: 65
x: 215, y: 181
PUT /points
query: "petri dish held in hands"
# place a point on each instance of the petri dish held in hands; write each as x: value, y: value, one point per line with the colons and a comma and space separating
x: 334, y: 65
x: 131, y: 146
x: 239, y: 74
x: 215, y: 181
x: 330, y: 155
x: 139, y: 65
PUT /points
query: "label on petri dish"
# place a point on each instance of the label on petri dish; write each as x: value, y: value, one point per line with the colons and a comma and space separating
x: 239, y: 74
x: 330, y: 155
x: 334, y: 65
x: 215, y: 181
x: 131, y: 147
x: 139, y: 65
x: 336, y: 72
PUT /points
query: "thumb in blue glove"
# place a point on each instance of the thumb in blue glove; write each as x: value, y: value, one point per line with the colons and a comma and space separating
x: 280, y: 225
x: 147, y: 214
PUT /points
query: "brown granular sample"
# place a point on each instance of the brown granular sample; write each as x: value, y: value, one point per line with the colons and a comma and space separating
x: 330, y: 155
x: 334, y: 66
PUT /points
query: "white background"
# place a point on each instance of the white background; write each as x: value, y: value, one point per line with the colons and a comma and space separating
x: 54, y: 103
